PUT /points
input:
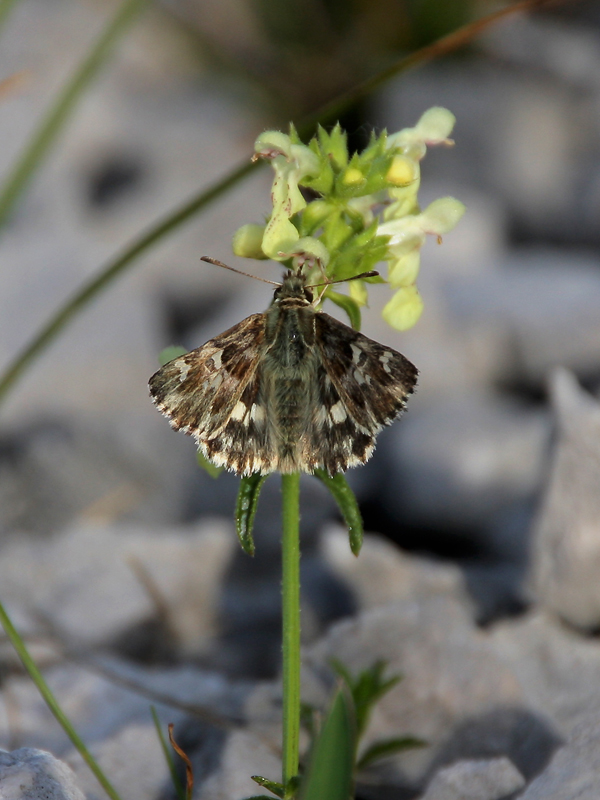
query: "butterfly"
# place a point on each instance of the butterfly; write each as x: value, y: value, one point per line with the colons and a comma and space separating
x: 289, y: 390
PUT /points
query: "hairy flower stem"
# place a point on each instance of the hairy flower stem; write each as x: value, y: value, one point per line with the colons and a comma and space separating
x: 290, y: 553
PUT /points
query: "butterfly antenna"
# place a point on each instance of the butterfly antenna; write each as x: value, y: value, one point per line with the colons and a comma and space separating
x: 217, y: 263
x: 372, y: 274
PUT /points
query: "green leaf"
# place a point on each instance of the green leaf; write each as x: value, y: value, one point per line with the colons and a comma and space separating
x: 245, y: 509
x: 348, y: 505
x: 383, y: 748
x: 366, y: 689
x: 171, y: 352
x: 207, y: 465
x: 271, y: 786
x: 331, y: 765
x: 348, y: 304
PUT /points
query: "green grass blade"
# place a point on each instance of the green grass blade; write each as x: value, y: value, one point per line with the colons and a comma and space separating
x: 59, y: 113
x: 331, y: 765
x: 43, y: 688
x: 348, y: 505
x: 6, y: 6
x: 110, y: 272
x: 168, y: 756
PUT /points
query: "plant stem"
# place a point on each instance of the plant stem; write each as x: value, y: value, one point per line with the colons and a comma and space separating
x: 290, y: 554
x: 52, y: 703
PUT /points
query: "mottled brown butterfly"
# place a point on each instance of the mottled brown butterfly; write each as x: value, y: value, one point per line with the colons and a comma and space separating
x: 288, y: 390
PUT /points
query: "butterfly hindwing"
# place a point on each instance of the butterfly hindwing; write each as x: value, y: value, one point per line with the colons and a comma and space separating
x: 363, y: 386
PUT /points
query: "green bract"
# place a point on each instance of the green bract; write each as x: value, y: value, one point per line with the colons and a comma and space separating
x: 356, y: 211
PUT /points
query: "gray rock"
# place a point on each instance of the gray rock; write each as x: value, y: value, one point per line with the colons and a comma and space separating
x: 566, y: 551
x: 490, y: 779
x: 541, y: 311
x: 460, y: 462
x: 132, y: 760
x: 574, y: 772
x: 29, y: 774
x: 104, y: 696
x: 97, y: 583
x: 558, y: 670
x: 383, y: 574
x: 457, y: 693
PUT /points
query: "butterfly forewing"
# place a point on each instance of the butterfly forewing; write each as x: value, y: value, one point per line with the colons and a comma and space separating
x: 212, y: 394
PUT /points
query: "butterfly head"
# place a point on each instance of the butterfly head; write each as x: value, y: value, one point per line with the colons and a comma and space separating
x: 293, y: 286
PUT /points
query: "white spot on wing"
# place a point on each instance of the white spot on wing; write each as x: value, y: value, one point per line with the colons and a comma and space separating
x: 385, y: 361
x: 356, y: 353
x: 257, y: 413
x: 338, y: 412
x: 183, y: 371
x: 216, y: 381
x: 216, y: 359
x: 239, y: 411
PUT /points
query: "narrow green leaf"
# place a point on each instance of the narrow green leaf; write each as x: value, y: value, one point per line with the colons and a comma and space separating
x: 271, y: 786
x: 207, y: 465
x: 245, y: 509
x: 388, y: 747
x: 348, y: 505
x: 330, y: 769
x: 168, y: 756
x: 170, y: 352
x: 348, y: 304
x: 43, y: 688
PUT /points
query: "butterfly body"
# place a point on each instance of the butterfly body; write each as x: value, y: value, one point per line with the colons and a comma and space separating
x: 288, y: 390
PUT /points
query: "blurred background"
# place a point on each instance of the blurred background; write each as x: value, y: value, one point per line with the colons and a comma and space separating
x: 108, y: 528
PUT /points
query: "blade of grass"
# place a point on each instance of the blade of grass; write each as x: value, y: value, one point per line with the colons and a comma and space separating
x: 52, y: 703
x: 6, y: 6
x: 168, y: 224
x: 168, y: 756
x: 112, y: 270
x: 58, y: 114
x: 446, y: 44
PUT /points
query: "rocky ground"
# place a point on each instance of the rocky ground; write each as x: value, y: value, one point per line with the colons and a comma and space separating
x: 478, y: 581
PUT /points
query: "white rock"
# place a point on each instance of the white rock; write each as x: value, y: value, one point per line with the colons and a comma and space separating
x: 566, y: 552
x: 29, y: 774
x: 475, y: 780
x: 383, y: 574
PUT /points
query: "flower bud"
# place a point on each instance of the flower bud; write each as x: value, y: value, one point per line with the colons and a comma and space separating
x: 247, y: 241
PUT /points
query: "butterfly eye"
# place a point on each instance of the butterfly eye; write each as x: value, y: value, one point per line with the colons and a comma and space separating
x: 309, y: 295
